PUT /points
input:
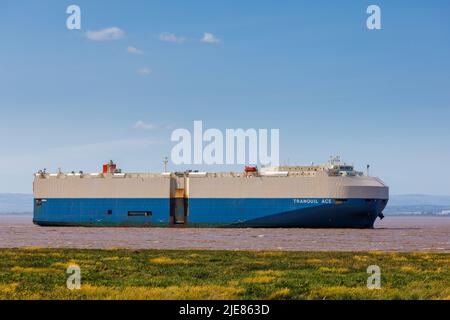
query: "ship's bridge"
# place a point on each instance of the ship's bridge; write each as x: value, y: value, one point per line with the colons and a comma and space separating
x: 338, y: 168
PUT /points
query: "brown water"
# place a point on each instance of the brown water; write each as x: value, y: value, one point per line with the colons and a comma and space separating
x: 391, y: 234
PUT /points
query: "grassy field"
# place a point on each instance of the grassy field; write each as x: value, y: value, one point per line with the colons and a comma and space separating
x: 154, y: 274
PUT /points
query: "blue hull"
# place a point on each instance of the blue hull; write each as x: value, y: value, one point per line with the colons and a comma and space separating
x: 267, y: 213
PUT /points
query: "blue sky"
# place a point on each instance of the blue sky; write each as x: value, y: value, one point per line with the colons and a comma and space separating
x: 311, y: 69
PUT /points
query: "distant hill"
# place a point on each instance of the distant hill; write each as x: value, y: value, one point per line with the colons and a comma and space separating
x: 418, y: 199
x: 16, y: 203
x: 418, y: 204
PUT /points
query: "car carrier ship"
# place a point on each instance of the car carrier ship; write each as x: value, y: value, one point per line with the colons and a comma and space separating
x: 334, y: 195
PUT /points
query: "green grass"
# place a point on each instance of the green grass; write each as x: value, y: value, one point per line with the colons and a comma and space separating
x: 191, y: 274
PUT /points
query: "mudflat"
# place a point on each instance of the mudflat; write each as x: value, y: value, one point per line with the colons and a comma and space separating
x: 395, y: 234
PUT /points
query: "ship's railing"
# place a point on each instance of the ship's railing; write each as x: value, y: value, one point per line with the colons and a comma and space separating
x: 172, y: 174
x: 98, y: 175
x: 130, y: 175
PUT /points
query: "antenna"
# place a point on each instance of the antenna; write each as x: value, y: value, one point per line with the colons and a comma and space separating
x: 368, y: 167
x: 165, y: 162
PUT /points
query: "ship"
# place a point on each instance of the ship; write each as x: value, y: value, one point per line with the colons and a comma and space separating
x: 332, y: 195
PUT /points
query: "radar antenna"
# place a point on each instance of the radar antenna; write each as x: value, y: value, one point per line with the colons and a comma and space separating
x: 165, y: 162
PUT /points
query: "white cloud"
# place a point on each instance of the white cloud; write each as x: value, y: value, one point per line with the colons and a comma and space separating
x: 112, y: 33
x: 210, y: 38
x: 144, y: 71
x: 170, y: 37
x: 134, y: 50
x: 144, y: 125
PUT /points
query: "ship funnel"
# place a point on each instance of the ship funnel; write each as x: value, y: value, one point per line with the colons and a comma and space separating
x: 110, y: 167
